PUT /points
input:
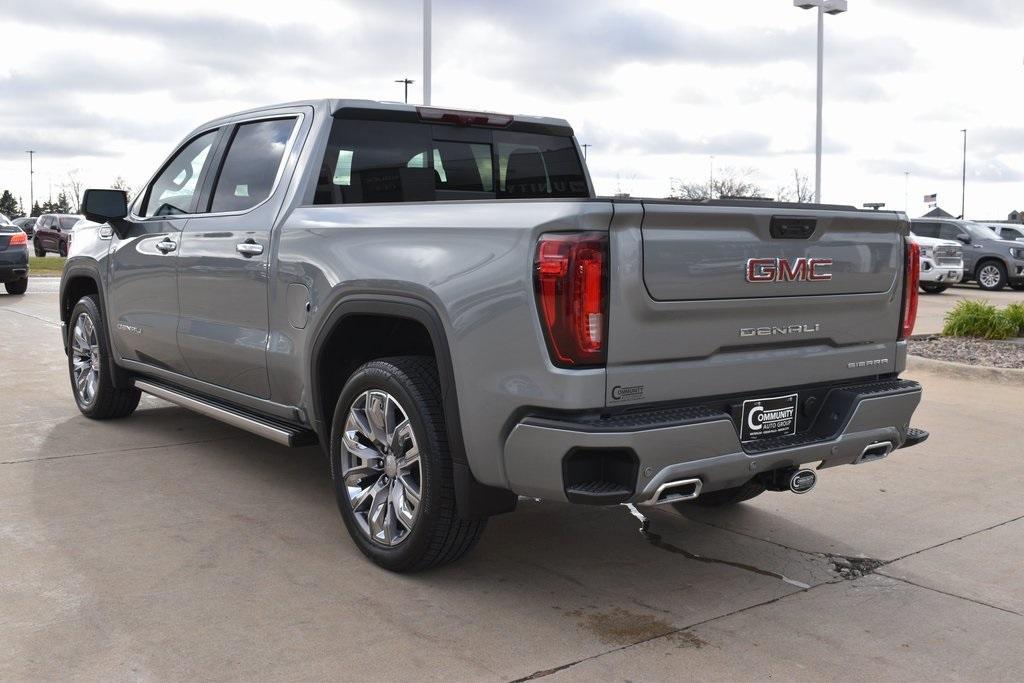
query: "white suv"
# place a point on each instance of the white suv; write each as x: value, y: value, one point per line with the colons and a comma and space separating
x: 942, y: 263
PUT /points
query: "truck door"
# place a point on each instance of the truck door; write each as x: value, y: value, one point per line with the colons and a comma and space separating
x: 224, y: 260
x: 143, y: 291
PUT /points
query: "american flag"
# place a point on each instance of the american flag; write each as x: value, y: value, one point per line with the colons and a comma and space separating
x: 930, y: 198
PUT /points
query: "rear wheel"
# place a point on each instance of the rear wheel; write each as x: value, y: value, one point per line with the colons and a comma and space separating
x: 392, y: 469
x: 932, y: 288
x: 1019, y: 287
x: 88, y: 356
x: 38, y: 248
x: 737, y: 494
x: 991, y: 276
x: 16, y: 286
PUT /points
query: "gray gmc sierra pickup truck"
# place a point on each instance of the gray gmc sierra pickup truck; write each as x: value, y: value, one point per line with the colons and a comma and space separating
x: 439, y: 300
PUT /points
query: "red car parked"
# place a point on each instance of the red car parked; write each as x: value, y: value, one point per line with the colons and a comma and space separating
x: 53, y: 233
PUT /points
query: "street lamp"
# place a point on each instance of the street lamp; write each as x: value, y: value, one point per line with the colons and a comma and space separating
x: 407, y: 82
x: 824, y: 7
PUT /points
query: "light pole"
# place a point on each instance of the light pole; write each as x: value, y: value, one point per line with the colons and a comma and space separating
x: 824, y: 7
x: 585, y: 147
x: 31, y: 184
x: 407, y: 82
x: 426, y: 52
x: 963, y: 186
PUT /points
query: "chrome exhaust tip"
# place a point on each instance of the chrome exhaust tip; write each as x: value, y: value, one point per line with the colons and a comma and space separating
x: 675, y: 492
x: 875, y: 451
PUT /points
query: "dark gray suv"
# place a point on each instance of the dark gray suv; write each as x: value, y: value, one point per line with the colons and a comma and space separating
x: 989, y: 260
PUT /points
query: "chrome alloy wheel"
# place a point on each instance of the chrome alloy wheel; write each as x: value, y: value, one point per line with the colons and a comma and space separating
x: 85, y: 359
x: 380, y: 465
x: 989, y: 276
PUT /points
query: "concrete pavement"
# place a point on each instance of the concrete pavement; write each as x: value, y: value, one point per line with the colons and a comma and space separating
x: 167, y: 545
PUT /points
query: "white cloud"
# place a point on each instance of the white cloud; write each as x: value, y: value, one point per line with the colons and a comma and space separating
x: 656, y: 87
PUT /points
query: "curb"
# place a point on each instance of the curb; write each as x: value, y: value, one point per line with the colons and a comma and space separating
x: 1011, y: 376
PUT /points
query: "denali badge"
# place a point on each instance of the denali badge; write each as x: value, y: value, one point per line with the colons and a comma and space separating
x: 786, y: 270
x: 779, y: 329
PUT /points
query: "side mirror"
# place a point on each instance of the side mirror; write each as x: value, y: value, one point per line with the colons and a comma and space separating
x: 964, y: 237
x: 106, y: 206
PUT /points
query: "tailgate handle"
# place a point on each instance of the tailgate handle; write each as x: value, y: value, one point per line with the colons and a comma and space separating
x: 783, y: 228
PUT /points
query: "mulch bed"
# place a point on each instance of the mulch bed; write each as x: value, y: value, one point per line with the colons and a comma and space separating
x: 996, y: 354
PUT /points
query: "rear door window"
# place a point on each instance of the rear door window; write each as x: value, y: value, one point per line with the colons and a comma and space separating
x: 252, y: 164
x: 925, y: 229
x: 384, y: 161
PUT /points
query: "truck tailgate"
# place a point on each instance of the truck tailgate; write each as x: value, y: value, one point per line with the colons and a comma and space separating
x: 711, y: 300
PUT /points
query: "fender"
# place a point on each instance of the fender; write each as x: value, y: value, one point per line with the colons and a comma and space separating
x: 89, y: 269
x: 473, y: 499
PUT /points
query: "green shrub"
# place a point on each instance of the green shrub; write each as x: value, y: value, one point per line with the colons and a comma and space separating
x: 1015, y: 314
x: 978, y: 319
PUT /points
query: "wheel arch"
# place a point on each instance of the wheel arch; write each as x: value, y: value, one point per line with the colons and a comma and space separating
x: 474, y: 500
x: 78, y: 280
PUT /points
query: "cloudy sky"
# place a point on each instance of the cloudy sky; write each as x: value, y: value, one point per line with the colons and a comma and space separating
x: 657, y: 88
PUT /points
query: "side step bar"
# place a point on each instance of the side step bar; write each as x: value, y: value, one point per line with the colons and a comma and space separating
x: 277, y: 432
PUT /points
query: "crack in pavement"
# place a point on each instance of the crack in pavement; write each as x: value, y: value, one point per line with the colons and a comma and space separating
x: 116, y: 450
x: 29, y: 315
x: 865, y: 565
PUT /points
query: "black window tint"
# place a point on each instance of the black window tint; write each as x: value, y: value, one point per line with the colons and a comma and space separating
x: 174, y: 189
x: 68, y: 222
x: 383, y: 161
x: 925, y: 229
x: 949, y: 232
x: 538, y: 166
x: 251, y: 164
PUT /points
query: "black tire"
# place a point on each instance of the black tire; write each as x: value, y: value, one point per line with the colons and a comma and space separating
x: 437, y: 535
x: 932, y: 288
x: 16, y: 286
x: 105, y: 401
x: 62, y: 249
x: 1019, y: 287
x: 36, y: 247
x: 994, y: 285
x: 738, y: 494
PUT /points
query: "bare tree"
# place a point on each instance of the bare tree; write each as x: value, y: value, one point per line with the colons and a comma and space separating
x: 121, y: 184
x: 800, y: 192
x: 728, y: 183
x: 73, y: 187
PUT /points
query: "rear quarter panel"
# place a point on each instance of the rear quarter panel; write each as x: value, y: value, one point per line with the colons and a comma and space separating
x: 472, y: 263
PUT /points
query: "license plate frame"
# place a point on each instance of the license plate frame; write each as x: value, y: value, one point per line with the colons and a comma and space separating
x: 781, y: 412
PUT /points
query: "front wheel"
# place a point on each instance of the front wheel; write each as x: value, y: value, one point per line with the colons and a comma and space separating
x: 88, y: 358
x: 38, y: 248
x: 62, y: 249
x: 991, y: 276
x: 932, y: 288
x: 16, y: 286
x: 392, y: 469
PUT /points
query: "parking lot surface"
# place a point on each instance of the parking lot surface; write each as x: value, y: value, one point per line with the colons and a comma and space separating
x: 932, y: 307
x: 167, y: 545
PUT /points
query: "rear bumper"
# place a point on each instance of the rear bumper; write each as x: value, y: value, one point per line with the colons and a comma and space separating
x: 702, y: 442
x: 13, y: 264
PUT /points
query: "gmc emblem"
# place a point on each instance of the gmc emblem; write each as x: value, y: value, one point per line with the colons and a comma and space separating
x: 786, y: 270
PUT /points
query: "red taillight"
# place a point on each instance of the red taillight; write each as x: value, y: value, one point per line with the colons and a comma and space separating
x: 570, y: 280
x: 18, y: 239
x: 911, y: 284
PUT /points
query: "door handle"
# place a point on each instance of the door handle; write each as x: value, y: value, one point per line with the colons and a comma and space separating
x: 249, y: 248
x: 167, y: 246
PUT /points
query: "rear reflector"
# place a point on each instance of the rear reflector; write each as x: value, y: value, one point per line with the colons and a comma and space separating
x: 911, y: 284
x: 18, y: 239
x: 463, y: 118
x: 571, y: 284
